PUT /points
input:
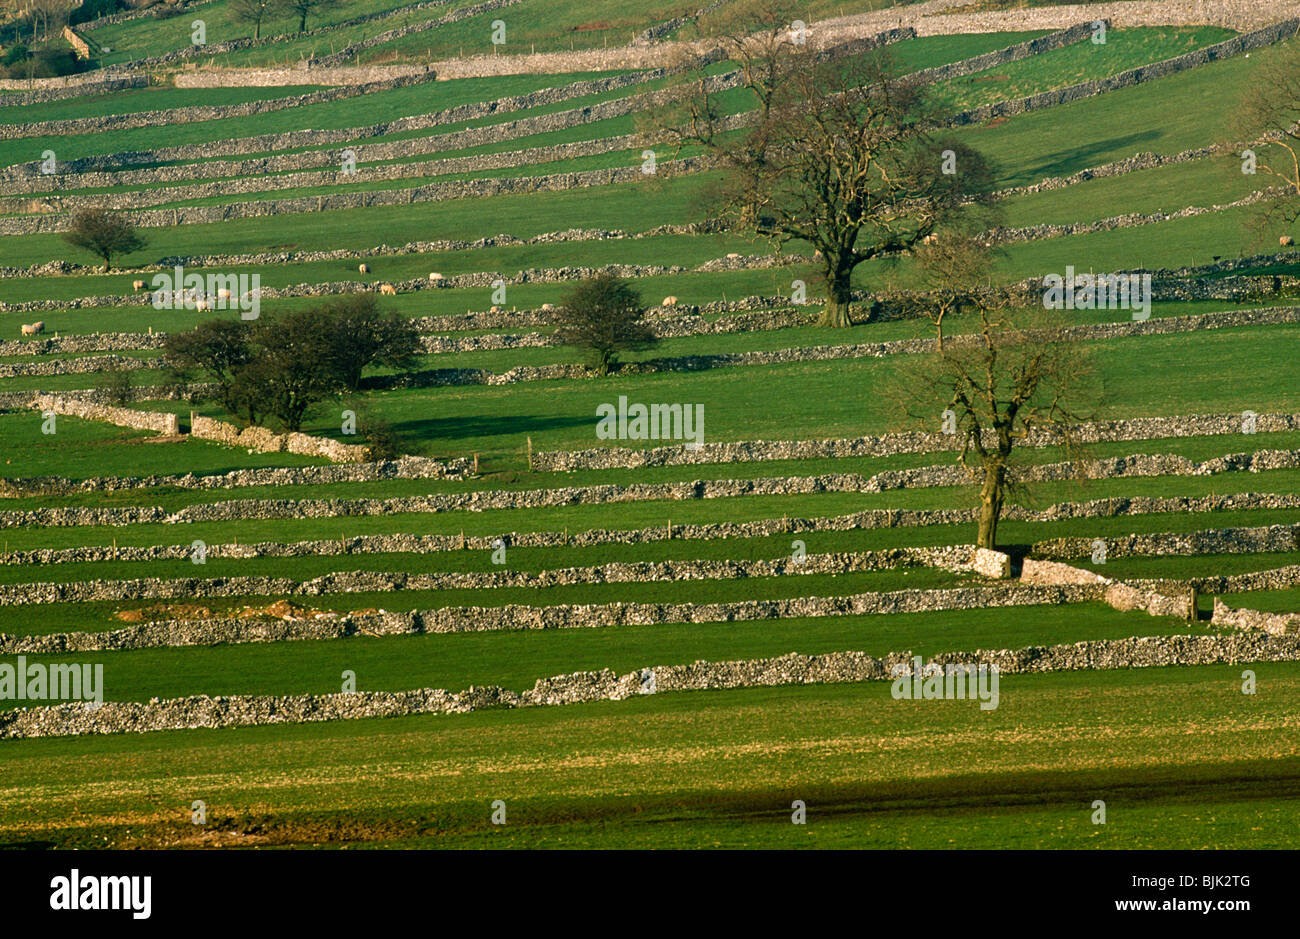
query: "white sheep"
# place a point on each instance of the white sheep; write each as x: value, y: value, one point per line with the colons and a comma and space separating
x: 435, y: 276
x: 669, y: 301
x: 364, y: 268
x: 137, y: 285
x: 33, y: 329
x: 388, y: 290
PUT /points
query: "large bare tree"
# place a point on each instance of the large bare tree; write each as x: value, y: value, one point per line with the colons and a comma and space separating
x: 255, y: 12
x: 1269, y: 115
x: 1001, y: 371
x: 835, y: 151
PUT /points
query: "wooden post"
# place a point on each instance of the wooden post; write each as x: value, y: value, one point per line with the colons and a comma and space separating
x: 476, y: 464
x: 1193, y: 614
x: 670, y: 530
x: 530, y: 454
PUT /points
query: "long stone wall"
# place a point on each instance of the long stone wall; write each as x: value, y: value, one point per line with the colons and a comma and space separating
x: 1004, y: 236
x: 956, y: 558
x: 208, y: 77
x: 332, y: 177
x: 454, y: 16
x: 87, y: 365
x: 123, y: 417
x: 199, y: 113
x: 1274, y: 624
x: 432, y: 378
x: 433, y: 192
x: 113, y: 164
x: 842, y: 667
x: 516, y: 617
x: 1021, y: 50
x: 106, y: 86
x: 407, y: 467
x: 1141, y: 428
x: 1242, y: 540
x: 480, y: 501
x: 266, y: 441
x: 1237, y: 45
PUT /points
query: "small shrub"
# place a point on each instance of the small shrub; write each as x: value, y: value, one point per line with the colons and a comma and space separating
x: 116, y: 384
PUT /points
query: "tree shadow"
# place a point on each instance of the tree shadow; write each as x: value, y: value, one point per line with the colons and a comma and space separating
x: 497, y: 425
x: 1066, y: 162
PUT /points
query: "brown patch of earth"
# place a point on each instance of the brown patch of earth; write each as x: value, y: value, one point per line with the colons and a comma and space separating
x: 164, y: 611
x: 280, y: 609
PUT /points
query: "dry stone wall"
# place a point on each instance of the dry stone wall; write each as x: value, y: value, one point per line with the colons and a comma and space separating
x: 333, y: 177
x: 46, y: 95
x: 560, y: 616
x: 433, y: 192
x: 350, y: 51
x: 960, y: 558
x: 1142, y: 428
x: 841, y: 667
x: 478, y: 501
x: 266, y: 441
x: 1021, y: 50
x: 407, y: 467
x: 1237, y: 45
x: 172, y: 116
x: 1248, y: 540
x: 113, y: 165
x: 123, y: 417
x: 1274, y: 624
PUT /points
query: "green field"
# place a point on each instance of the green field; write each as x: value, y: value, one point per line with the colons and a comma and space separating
x: 1180, y: 755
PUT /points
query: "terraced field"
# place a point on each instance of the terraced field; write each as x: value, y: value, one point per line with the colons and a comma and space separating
x: 637, y: 643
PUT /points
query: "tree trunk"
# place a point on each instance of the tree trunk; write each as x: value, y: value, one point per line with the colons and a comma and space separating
x: 107, y: 263
x: 992, y: 493
x: 839, y: 295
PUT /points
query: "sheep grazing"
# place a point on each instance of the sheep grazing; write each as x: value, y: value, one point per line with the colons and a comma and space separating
x: 223, y: 294
x: 930, y: 240
x: 202, y: 305
x: 547, y: 307
x: 388, y: 290
x: 435, y: 276
x: 33, y: 329
x: 137, y: 285
x: 669, y: 301
x: 495, y: 309
x: 1285, y: 241
x: 364, y: 268
x: 732, y: 256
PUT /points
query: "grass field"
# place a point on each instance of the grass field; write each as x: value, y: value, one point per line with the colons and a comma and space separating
x: 1180, y: 755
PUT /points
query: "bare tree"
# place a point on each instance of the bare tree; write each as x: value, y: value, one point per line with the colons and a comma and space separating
x: 837, y: 152
x: 1013, y: 373
x: 1269, y: 115
x: 255, y: 12
x: 304, y: 8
